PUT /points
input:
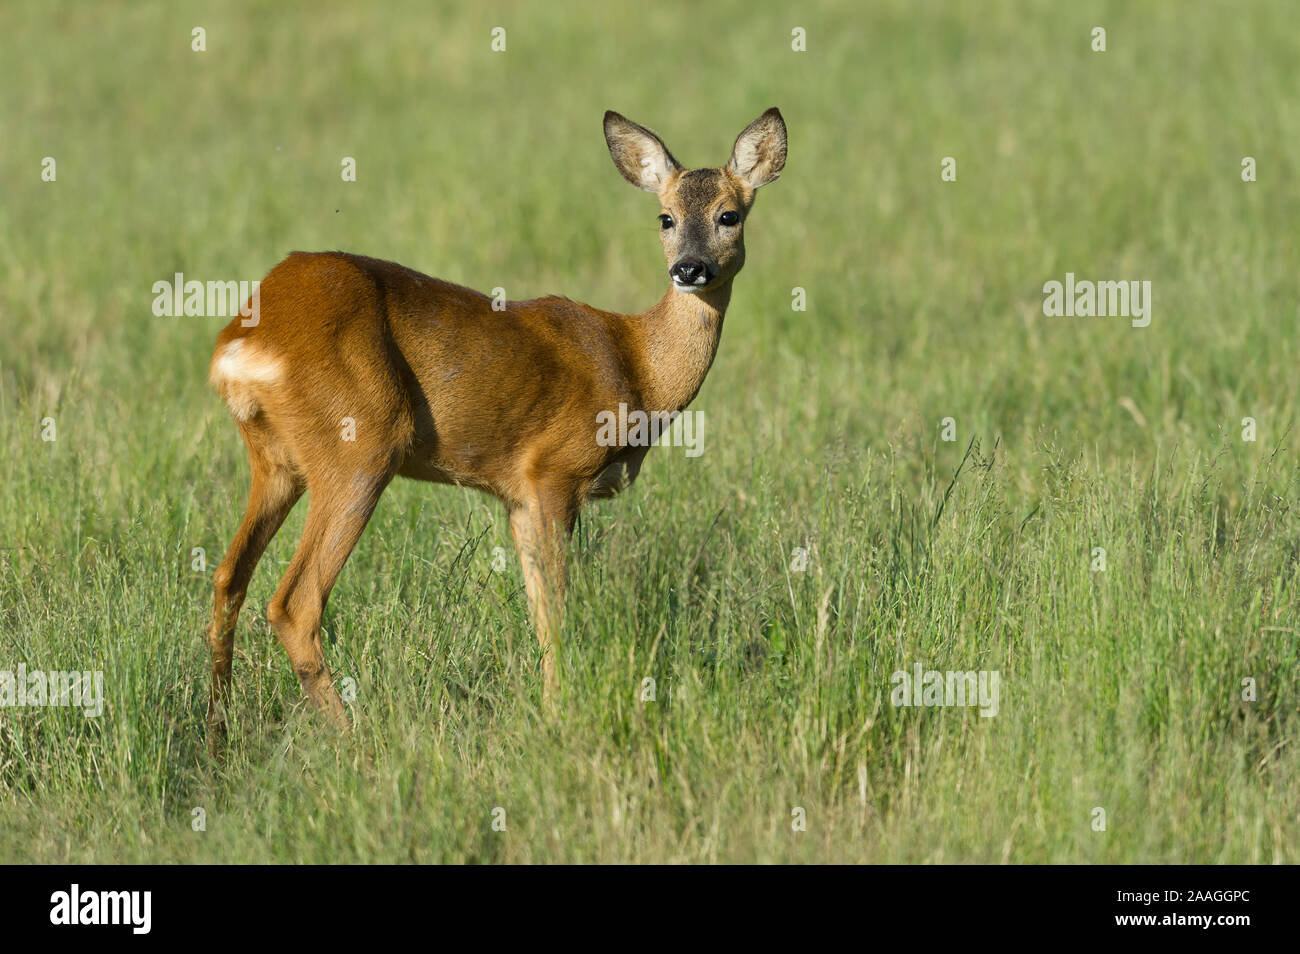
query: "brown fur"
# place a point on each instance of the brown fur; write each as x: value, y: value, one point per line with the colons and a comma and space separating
x: 442, y: 388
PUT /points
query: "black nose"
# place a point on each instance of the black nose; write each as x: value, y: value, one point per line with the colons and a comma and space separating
x: 689, y: 271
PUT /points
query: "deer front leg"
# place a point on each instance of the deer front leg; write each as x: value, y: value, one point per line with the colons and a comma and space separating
x: 541, y: 528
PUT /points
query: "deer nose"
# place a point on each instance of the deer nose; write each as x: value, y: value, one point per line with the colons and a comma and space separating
x: 690, y: 271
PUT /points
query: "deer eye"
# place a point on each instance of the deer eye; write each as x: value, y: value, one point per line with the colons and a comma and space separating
x: 665, y: 221
x: 728, y: 218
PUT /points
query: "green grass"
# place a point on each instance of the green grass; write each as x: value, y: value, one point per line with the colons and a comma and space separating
x: 1120, y: 689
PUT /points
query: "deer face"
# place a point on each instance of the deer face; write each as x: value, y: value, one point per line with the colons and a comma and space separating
x: 702, y: 211
x: 701, y: 226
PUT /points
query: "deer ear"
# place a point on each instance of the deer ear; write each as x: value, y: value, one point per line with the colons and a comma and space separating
x: 638, y: 153
x: 759, y: 154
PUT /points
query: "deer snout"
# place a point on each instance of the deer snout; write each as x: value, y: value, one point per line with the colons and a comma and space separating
x: 691, y: 272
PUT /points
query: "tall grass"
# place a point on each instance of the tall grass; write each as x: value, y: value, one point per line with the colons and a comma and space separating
x: 1122, y: 689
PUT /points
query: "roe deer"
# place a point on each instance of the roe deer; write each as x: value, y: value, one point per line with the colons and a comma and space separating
x: 439, y: 386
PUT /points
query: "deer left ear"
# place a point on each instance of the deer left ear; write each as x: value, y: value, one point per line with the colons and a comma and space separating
x: 639, y: 154
x: 759, y: 154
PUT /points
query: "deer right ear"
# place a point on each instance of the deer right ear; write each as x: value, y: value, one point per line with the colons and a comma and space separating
x: 759, y: 154
x: 638, y: 153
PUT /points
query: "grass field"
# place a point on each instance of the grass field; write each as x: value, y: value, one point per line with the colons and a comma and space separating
x: 1161, y: 689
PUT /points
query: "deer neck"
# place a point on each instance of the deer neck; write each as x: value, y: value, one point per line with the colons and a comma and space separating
x: 676, y: 341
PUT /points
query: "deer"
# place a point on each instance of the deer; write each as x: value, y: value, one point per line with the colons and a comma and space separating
x: 356, y: 371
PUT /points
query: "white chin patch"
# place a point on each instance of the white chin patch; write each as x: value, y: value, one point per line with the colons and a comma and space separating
x: 689, y: 289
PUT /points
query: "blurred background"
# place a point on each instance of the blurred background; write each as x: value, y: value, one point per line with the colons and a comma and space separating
x: 924, y: 302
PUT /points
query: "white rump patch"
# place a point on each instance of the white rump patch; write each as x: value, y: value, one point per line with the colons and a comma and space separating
x: 250, y: 364
x: 239, y: 371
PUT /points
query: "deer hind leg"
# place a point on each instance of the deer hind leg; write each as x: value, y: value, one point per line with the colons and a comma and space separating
x: 337, y: 514
x: 541, y: 527
x: 275, y: 489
